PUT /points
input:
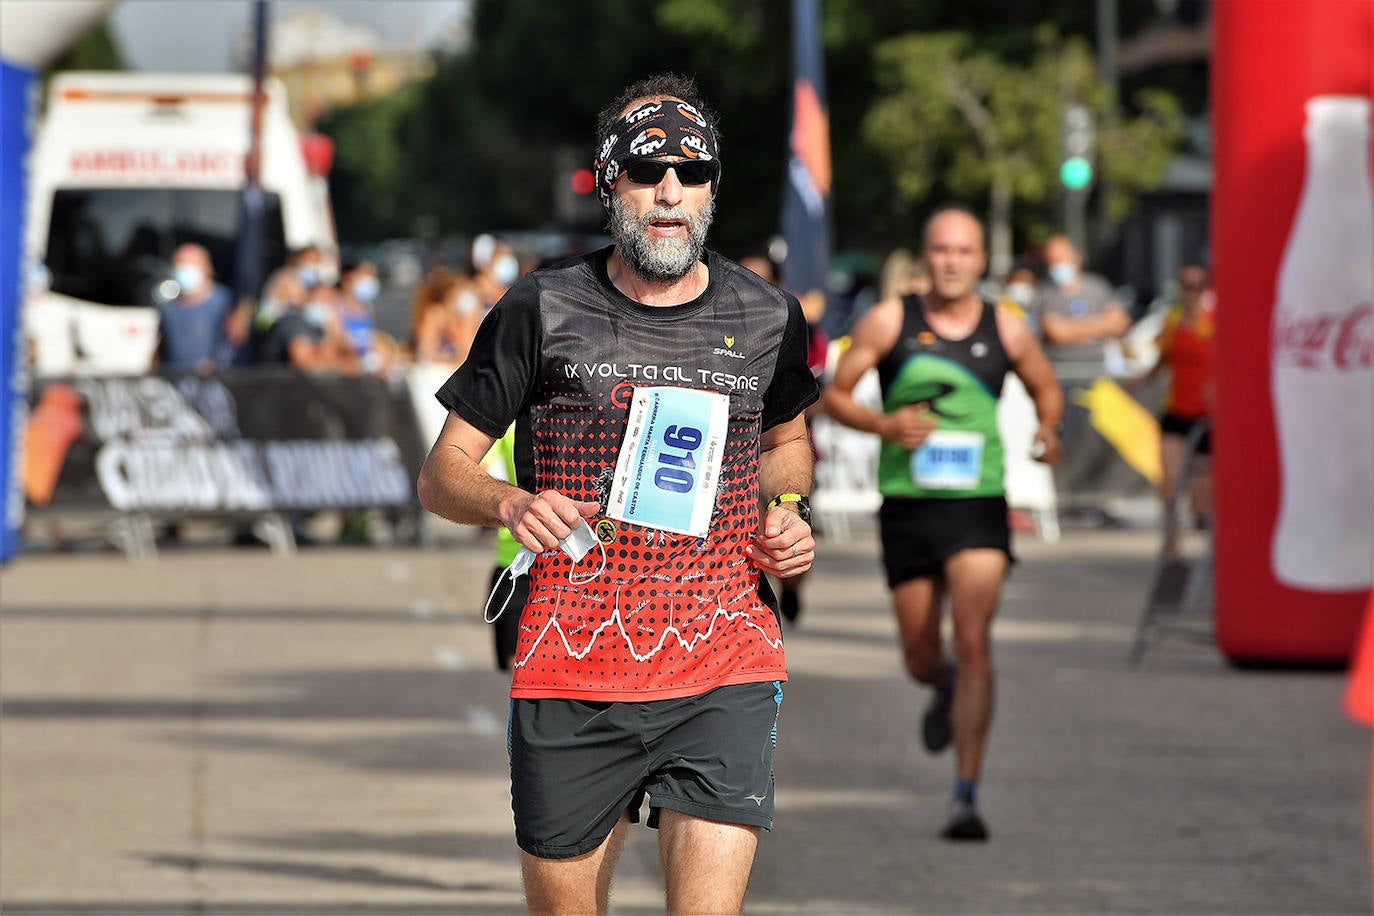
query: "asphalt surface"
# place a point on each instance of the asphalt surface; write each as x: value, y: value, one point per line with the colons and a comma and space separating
x: 224, y: 731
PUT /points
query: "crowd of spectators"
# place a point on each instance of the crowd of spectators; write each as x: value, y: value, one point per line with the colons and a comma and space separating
x: 312, y: 317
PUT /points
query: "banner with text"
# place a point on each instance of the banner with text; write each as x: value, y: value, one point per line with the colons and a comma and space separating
x: 254, y: 441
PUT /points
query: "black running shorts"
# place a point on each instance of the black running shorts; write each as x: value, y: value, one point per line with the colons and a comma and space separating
x: 919, y: 535
x: 577, y: 765
x: 1173, y: 424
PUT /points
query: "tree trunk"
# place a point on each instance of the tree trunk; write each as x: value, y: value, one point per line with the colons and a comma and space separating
x: 999, y: 227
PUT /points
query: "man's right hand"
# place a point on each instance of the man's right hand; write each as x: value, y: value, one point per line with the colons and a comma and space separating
x: 908, y: 426
x: 539, y: 521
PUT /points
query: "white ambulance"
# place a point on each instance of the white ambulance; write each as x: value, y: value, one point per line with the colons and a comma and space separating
x: 127, y: 166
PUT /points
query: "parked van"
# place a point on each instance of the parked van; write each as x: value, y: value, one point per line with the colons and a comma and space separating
x: 127, y: 166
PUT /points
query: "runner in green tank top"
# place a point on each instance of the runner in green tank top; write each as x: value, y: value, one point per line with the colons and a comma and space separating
x: 941, y: 360
x: 957, y: 382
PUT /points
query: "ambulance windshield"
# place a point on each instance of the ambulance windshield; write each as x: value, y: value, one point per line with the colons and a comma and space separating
x: 114, y: 245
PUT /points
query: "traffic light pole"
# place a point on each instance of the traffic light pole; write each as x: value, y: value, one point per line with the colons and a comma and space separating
x: 1107, y: 74
x: 1076, y: 217
x: 1077, y: 143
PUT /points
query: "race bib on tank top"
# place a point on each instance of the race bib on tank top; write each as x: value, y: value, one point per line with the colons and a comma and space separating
x: 948, y: 460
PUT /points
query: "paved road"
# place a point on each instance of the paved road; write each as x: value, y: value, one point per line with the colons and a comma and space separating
x: 229, y: 732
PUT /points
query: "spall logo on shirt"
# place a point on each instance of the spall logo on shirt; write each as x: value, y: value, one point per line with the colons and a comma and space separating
x: 727, y: 349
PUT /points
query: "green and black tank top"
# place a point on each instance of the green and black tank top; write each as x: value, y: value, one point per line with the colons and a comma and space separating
x: 960, y: 382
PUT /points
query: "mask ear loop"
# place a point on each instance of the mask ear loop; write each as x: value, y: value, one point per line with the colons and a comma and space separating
x: 517, y: 568
x: 487, y: 616
x: 596, y: 575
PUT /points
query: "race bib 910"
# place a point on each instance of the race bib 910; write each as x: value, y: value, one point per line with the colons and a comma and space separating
x: 669, y: 463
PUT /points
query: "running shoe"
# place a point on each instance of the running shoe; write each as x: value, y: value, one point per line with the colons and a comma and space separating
x: 936, y: 730
x: 964, y: 823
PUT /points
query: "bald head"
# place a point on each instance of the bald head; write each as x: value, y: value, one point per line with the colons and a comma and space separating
x: 1059, y: 249
x: 954, y: 252
x: 191, y: 253
x: 959, y: 217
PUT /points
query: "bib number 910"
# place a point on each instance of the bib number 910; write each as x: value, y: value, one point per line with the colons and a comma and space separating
x: 668, y: 469
x: 674, y: 473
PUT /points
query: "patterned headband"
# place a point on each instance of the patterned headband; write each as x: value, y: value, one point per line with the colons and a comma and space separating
x: 653, y: 129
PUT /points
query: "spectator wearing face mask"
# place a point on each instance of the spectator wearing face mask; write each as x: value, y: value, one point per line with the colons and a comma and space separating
x: 300, y: 274
x: 358, y: 289
x: 1082, y: 322
x: 445, y: 313
x: 495, y: 269
x: 463, y: 304
x: 311, y: 336
x: 1079, y: 314
x: 287, y: 288
x: 195, y: 330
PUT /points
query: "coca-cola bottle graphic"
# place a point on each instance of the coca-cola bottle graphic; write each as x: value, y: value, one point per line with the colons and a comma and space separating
x: 1323, y: 360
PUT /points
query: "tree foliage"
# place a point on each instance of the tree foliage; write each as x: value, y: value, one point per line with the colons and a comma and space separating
x: 948, y: 114
x: 475, y: 148
x: 96, y: 49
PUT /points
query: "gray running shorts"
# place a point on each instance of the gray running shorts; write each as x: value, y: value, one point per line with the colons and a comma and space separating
x: 577, y: 765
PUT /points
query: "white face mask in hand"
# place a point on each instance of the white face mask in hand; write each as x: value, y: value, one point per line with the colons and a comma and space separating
x: 576, y: 545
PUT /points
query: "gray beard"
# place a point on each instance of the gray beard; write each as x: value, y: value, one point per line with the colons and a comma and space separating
x: 659, y: 260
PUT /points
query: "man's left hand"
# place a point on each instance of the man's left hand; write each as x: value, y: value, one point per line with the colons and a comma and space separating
x: 784, y: 546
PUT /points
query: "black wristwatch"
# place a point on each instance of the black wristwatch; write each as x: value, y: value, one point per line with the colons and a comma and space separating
x: 803, y: 504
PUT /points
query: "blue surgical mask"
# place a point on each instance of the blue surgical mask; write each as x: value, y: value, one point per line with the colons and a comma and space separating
x: 309, y: 275
x: 366, y: 289
x: 1063, y: 273
x: 507, y: 269
x: 188, y: 276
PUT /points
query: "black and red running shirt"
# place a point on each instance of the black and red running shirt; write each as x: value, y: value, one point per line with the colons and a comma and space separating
x: 560, y: 355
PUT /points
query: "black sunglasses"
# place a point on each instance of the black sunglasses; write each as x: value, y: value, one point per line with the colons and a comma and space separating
x: 689, y: 171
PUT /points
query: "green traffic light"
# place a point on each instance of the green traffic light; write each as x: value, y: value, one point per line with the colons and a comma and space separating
x: 1076, y: 173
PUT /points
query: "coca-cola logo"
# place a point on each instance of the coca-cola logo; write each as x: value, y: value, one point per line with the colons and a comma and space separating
x: 1341, y: 340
